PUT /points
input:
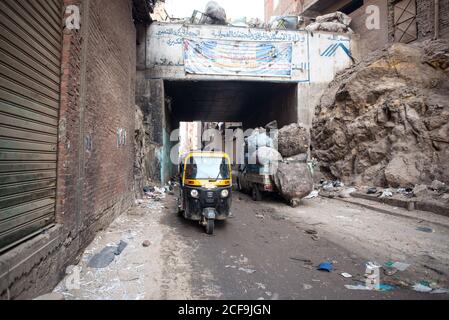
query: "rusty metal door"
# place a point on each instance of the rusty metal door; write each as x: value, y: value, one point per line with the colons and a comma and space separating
x: 405, y: 27
x: 30, y: 57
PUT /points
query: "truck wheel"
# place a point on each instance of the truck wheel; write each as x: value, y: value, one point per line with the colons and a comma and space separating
x: 210, y: 226
x: 239, y: 185
x: 255, y: 194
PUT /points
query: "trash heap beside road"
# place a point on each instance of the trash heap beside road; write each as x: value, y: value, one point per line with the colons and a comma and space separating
x: 291, y: 174
x: 332, y: 22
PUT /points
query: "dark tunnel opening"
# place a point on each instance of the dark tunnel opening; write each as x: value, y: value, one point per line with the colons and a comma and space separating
x: 253, y: 103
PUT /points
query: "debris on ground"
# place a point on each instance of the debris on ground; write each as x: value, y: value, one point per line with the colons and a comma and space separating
x: 312, y: 194
x: 146, y: 243
x: 332, y: 22
x: 425, y: 229
x: 106, y: 256
x: 307, y: 286
x: 325, y: 266
x: 386, y: 194
x: 401, y: 266
x: 346, y: 275
x: 421, y: 288
x: 356, y: 287
x: 384, y: 120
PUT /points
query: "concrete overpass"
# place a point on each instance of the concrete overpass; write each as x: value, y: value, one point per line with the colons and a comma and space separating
x: 174, y: 85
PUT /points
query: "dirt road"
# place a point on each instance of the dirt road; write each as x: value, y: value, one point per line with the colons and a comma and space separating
x: 267, y: 250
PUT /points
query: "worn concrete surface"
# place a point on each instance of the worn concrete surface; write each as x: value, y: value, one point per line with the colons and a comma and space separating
x: 263, y: 252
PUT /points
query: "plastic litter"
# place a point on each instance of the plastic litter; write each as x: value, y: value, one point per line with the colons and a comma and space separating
x: 401, y: 266
x: 346, y: 275
x: 425, y: 229
x: 357, y: 287
x: 421, y: 288
x: 312, y: 194
x: 386, y: 193
x: 325, y: 266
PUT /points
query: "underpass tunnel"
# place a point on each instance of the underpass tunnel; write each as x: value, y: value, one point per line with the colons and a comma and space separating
x: 254, y: 103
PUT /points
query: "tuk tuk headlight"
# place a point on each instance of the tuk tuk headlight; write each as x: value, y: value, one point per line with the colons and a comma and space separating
x: 224, y: 193
x: 194, y: 193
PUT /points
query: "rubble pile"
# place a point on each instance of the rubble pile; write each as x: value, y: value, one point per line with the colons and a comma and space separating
x: 215, y: 13
x: 385, y: 121
x: 437, y: 191
x: 332, y: 22
x: 293, y: 178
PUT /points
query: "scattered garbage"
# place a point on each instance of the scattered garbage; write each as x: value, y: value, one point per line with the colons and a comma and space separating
x: 401, y: 266
x: 146, y: 243
x: 307, y: 286
x: 357, y: 287
x: 311, y: 231
x: 440, y: 290
x: 389, y: 271
x: 346, y: 275
x: 372, y: 275
x: 386, y: 193
x: 157, y: 193
x: 421, y: 288
x: 325, y: 266
x: 285, y: 22
x: 250, y: 271
x: 372, y: 190
x: 425, y: 229
x: 386, y: 287
x: 106, y: 256
x: 312, y: 194
x: 332, y: 22
x: 120, y: 247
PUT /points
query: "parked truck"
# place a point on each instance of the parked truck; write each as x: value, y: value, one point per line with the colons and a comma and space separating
x: 256, y: 174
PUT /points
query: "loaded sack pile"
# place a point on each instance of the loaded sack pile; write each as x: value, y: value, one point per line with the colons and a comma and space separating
x: 288, y: 164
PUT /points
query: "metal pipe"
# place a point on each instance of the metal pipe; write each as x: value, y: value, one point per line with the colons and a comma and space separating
x: 437, y: 19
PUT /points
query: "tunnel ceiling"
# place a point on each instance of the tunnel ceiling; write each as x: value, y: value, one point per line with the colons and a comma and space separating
x: 219, y: 100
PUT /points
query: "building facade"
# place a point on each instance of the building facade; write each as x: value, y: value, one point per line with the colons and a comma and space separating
x: 395, y: 20
x: 66, y: 132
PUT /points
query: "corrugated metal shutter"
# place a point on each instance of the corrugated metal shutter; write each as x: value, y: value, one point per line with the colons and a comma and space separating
x: 30, y: 55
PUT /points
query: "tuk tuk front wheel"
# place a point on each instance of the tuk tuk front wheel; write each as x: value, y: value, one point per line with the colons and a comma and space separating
x: 210, y: 224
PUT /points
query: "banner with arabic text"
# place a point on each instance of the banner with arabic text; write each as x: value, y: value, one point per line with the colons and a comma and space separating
x: 238, y: 58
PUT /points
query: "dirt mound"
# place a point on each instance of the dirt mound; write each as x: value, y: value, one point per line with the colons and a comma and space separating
x: 385, y: 120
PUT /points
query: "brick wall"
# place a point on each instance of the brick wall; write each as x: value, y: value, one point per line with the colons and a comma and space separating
x: 284, y: 7
x: 95, y: 175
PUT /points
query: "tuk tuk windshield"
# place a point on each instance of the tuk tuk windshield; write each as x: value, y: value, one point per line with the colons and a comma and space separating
x: 212, y: 168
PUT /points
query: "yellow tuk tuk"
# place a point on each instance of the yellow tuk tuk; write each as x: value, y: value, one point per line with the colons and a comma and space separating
x: 205, y: 187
